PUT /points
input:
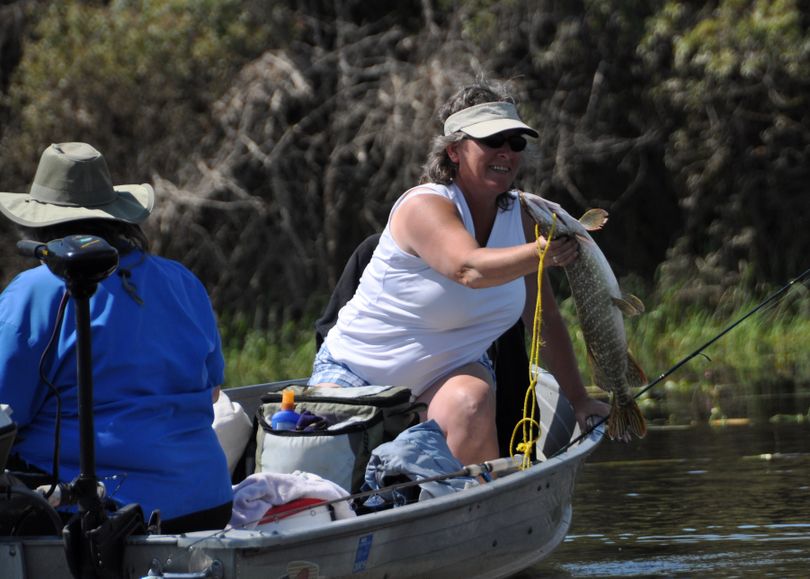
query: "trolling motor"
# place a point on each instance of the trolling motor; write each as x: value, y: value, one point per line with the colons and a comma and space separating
x: 94, y: 538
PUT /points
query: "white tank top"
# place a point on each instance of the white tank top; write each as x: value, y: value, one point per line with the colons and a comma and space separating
x: 408, y: 325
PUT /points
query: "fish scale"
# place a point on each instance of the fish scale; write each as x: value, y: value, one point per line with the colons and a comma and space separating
x: 601, y: 307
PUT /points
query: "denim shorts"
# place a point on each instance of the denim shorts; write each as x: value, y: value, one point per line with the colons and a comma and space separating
x: 327, y: 369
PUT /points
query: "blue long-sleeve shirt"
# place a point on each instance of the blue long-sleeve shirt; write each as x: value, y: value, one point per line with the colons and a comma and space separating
x: 154, y: 367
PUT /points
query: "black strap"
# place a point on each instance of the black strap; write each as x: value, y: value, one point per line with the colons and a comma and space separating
x: 125, y: 274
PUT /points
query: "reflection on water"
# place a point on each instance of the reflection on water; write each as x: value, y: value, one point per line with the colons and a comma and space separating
x: 727, y: 502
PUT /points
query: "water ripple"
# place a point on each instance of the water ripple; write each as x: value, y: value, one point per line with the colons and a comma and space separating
x: 692, y: 503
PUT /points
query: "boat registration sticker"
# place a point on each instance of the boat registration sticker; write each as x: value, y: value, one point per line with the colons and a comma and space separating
x: 363, y: 551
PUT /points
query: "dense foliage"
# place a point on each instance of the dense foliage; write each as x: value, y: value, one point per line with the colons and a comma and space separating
x: 733, y: 80
x: 278, y: 134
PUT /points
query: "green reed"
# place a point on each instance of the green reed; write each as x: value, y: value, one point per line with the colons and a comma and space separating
x: 259, y: 356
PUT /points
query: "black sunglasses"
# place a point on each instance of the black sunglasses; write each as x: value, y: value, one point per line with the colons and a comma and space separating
x: 496, y: 141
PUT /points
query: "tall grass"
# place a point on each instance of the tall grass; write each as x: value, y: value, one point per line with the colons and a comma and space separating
x: 256, y: 357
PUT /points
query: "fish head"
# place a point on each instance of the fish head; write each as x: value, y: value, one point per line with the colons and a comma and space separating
x: 548, y: 214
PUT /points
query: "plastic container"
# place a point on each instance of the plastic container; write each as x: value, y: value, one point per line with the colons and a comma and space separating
x: 303, y: 513
x: 287, y: 417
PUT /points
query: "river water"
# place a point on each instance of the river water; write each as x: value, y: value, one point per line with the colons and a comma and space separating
x: 729, y: 501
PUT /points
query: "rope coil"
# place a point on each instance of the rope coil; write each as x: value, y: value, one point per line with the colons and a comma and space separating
x: 529, y: 424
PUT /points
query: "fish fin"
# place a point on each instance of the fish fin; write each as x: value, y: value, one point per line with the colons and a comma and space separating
x: 597, y: 374
x: 616, y: 421
x: 624, y: 420
x: 594, y: 219
x: 637, y: 303
x: 522, y: 199
x: 629, y: 305
x: 635, y: 375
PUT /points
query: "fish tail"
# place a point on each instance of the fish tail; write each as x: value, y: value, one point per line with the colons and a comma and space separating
x: 625, y: 419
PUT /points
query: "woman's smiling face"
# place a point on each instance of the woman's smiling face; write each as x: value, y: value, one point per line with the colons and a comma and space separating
x: 482, y: 169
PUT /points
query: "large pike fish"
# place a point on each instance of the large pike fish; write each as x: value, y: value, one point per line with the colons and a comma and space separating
x: 600, y: 308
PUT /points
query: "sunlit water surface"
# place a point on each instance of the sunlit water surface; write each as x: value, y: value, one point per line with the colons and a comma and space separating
x: 687, y: 502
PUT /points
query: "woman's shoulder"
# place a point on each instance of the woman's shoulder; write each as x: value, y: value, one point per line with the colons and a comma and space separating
x: 176, y: 273
x: 34, y: 283
x: 171, y: 266
x: 431, y: 189
x: 435, y: 189
x: 31, y: 295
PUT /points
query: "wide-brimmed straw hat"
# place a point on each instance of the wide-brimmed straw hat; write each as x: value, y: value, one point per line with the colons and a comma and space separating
x: 72, y: 182
x: 487, y: 119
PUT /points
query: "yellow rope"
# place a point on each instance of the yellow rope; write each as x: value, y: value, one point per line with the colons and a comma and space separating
x: 529, y: 424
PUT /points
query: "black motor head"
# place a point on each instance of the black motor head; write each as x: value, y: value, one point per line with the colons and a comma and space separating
x: 80, y: 259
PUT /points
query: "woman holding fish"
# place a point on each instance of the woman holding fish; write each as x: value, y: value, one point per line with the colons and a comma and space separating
x: 456, y: 267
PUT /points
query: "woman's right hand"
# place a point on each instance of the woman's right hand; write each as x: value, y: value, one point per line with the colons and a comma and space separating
x: 561, y: 251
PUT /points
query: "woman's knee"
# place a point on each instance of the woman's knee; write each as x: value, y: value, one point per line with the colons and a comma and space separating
x: 467, y: 398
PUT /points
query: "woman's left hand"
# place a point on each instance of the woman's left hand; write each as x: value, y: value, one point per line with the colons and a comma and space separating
x: 588, y: 408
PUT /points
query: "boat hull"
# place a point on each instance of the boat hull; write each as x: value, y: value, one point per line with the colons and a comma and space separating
x: 492, y: 530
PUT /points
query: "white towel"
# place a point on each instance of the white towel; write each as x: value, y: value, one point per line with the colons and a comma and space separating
x: 260, y: 491
x: 233, y: 428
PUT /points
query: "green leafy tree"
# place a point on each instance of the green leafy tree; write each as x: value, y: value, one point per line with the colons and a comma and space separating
x: 134, y: 78
x: 732, y: 77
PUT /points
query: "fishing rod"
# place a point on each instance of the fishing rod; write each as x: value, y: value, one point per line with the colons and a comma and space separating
x: 498, y: 465
x: 767, y: 301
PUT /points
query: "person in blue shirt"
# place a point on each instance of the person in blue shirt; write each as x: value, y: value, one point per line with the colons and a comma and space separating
x: 156, y: 352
